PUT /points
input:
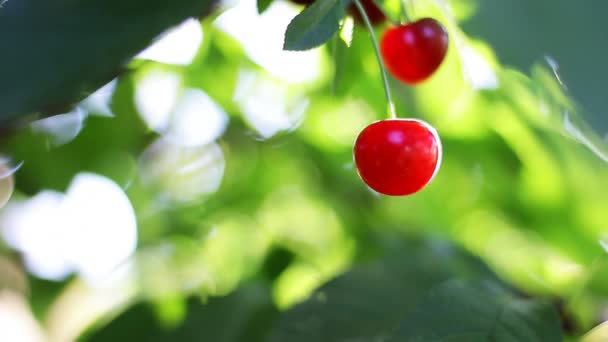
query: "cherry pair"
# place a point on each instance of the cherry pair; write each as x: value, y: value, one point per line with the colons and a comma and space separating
x: 400, y: 156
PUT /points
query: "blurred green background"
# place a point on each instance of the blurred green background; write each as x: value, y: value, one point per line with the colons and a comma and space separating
x: 210, y: 187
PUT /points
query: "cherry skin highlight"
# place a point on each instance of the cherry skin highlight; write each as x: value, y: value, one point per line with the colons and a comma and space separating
x: 397, y: 157
x: 413, y: 52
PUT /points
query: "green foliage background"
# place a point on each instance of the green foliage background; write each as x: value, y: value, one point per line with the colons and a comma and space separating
x: 293, y: 246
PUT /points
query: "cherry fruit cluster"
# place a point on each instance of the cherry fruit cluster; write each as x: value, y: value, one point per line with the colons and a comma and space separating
x: 399, y: 157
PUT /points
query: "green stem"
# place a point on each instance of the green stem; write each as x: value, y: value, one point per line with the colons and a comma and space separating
x: 387, y: 90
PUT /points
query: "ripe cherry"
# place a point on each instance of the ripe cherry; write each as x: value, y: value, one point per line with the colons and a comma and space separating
x: 374, y: 13
x: 397, y: 156
x: 412, y: 52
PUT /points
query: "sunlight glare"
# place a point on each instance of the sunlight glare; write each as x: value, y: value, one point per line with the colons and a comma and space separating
x: 262, y: 38
x: 266, y: 105
x: 98, y: 103
x: 31, y: 227
x: 187, y: 117
x: 62, y: 128
x: 155, y: 97
x: 196, y: 120
x: 183, y: 173
x: 347, y: 30
x: 90, y: 229
x: 177, y: 46
x: 102, y: 220
x: 476, y: 69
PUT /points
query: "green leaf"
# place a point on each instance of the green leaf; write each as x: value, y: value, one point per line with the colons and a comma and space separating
x: 55, y: 52
x: 263, y: 5
x: 244, y: 315
x: 459, y: 311
x: 367, y: 303
x: 315, y: 25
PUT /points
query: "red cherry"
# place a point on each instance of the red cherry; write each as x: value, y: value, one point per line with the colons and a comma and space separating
x: 412, y: 52
x: 398, y: 156
x: 374, y: 13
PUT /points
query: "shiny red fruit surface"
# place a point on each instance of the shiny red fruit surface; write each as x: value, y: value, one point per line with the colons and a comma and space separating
x: 413, y: 52
x: 397, y: 156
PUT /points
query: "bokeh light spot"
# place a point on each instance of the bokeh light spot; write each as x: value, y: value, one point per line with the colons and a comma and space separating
x: 183, y: 173
x: 178, y: 46
x: 155, y: 97
x: 98, y: 103
x: 262, y: 38
x: 63, y: 128
x: 196, y: 120
x: 90, y: 229
x: 266, y: 104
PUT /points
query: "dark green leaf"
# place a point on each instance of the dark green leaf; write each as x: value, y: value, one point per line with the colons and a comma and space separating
x: 314, y: 25
x: 244, y: 315
x: 367, y: 303
x: 55, y: 52
x: 459, y: 311
x: 263, y: 5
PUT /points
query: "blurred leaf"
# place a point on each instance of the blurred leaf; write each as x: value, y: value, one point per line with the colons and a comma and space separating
x: 314, y: 25
x: 103, y: 147
x: 338, y: 51
x: 57, y: 51
x: 244, y: 315
x: 569, y: 32
x: 476, y: 312
x: 277, y: 261
x: 263, y: 5
x: 367, y: 303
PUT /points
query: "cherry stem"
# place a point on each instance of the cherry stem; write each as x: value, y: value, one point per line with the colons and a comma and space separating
x: 387, y: 91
